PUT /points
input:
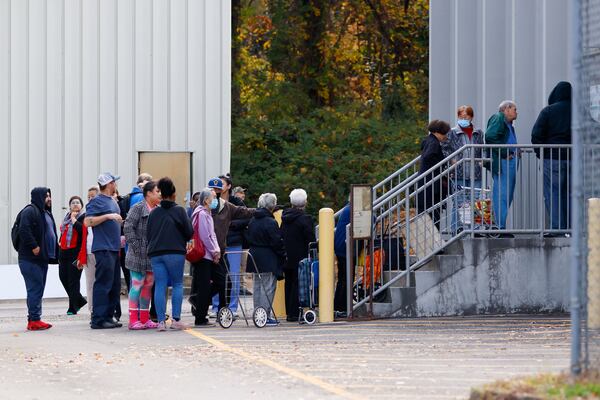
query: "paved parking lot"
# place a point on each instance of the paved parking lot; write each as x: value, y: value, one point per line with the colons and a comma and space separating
x: 417, y: 358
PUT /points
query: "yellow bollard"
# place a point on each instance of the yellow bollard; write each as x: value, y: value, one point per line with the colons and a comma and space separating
x: 326, y: 275
x: 593, y: 277
x: 279, y: 298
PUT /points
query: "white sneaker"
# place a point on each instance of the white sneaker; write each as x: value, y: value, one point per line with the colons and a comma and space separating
x: 162, y: 326
x: 212, y: 314
x: 178, y: 326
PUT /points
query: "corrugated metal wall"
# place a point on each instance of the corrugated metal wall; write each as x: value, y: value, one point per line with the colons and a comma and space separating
x: 486, y: 51
x: 87, y: 84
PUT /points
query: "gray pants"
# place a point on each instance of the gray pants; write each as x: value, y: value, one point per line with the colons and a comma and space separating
x: 90, y: 277
x: 264, y: 291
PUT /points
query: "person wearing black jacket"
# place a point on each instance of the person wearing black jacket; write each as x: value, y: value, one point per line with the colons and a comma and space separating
x: 298, y: 231
x: 37, y: 248
x: 553, y: 126
x: 169, y: 230
x: 70, y: 242
x: 431, y: 154
x: 268, y: 253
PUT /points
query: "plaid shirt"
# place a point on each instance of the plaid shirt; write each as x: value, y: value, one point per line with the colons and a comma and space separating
x: 457, y: 139
x: 135, y: 235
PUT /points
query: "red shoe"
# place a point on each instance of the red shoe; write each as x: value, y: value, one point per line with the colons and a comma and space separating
x: 38, y: 326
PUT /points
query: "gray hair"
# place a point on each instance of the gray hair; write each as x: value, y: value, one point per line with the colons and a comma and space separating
x: 143, y: 177
x: 94, y: 188
x: 204, y: 194
x: 506, y: 104
x: 298, y: 198
x: 268, y: 201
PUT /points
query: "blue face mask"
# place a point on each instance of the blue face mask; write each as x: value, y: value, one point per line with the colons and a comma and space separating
x: 463, y: 123
x: 214, y: 204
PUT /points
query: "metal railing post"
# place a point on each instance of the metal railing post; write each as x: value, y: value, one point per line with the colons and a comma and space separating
x: 577, y: 194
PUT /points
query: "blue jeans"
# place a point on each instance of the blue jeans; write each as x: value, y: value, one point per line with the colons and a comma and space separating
x: 168, y: 268
x: 107, y: 286
x: 463, y: 196
x: 504, y: 189
x: 234, y: 262
x: 34, y: 275
x: 556, y: 192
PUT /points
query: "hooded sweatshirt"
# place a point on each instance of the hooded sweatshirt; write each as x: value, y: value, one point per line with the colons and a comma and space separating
x: 553, y: 125
x: 169, y: 229
x: 298, y: 231
x: 37, y: 229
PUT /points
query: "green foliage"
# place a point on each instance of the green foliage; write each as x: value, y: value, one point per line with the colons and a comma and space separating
x: 326, y: 94
x: 322, y: 153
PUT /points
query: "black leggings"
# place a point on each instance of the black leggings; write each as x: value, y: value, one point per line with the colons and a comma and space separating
x: 70, y: 276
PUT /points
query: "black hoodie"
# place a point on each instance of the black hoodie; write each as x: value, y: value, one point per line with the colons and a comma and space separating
x: 298, y: 231
x: 168, y: 230
x: 553, y: 125
x: 32, y: 228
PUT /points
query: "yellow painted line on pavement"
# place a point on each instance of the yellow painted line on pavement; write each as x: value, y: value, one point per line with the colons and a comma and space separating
x: 328, y: 387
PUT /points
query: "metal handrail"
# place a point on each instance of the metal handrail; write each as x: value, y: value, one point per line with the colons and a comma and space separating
x: 392, y: 201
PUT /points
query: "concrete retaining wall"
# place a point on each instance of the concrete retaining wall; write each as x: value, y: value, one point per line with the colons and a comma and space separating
x: 496, y: 276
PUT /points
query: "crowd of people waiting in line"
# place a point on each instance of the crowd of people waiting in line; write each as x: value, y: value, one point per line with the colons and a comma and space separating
x: 552, y: 127
x: 147, y: 234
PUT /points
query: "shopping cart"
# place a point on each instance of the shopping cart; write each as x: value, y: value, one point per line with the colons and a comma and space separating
x: 481, y: 217
x: 249, y: 282
x: 308, y: 282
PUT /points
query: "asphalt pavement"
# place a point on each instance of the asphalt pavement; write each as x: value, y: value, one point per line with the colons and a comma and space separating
x: 433, y: 358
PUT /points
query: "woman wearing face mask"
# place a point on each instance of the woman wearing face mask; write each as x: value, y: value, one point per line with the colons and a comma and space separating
x: 205, y: 269
x: 464, y: 133
x: 71, y: 234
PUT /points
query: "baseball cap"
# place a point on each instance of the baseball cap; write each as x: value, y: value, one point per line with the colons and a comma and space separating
x: 215, y: 183
x: 238, y: 189
x: 106, y: 178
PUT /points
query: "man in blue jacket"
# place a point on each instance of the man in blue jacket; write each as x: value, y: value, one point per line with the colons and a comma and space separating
x: 339, y: 247
x: 37, y: 248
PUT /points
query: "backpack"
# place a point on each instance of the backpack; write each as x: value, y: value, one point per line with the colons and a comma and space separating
x: 125, y: 205
x: 14, y: 232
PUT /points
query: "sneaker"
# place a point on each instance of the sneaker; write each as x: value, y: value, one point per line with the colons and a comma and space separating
x: 136, y: 326
x: 38, y: 326
x: 178, y: 326
x: 212, y: 314
x: 161, y: 326
x: 205, y: 324
x: 71, y: 312
x: 117, y: 323
x: 151, y: 324
x: 272, y: 322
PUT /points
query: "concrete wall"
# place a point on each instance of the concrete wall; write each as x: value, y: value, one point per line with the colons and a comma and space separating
x: 497, y: 276
x: 87, y: 84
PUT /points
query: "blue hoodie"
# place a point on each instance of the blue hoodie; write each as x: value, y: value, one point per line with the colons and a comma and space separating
x: 339, y: 239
